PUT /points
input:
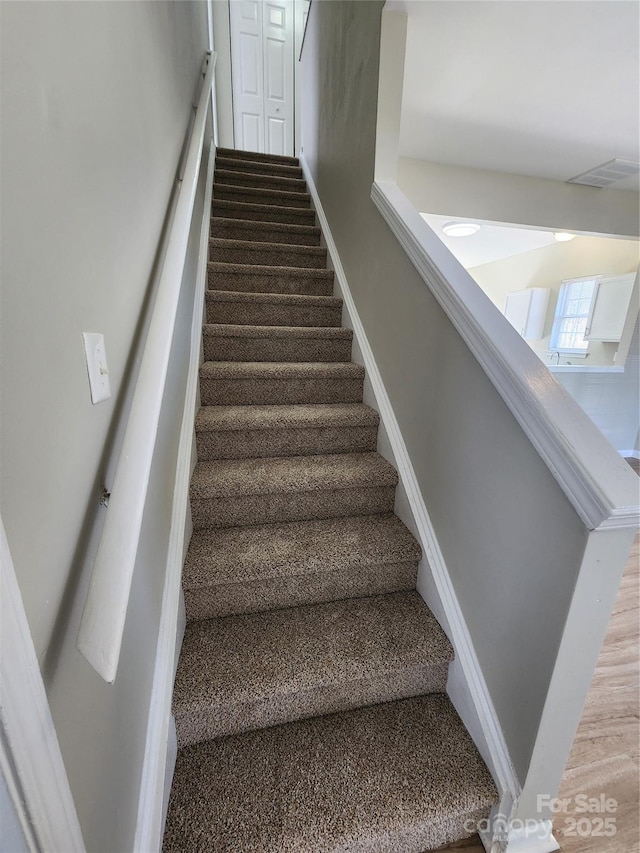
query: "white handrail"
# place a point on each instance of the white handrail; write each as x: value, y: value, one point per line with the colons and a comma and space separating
x: 596, y: 480
x: 103, y: 619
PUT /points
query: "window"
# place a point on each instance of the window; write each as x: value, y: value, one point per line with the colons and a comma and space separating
x: 572, y: 313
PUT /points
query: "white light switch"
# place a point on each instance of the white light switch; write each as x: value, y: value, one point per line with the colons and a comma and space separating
x: 97, y: 366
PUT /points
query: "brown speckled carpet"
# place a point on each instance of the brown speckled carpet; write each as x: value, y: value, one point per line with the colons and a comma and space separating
x: 310, y: 700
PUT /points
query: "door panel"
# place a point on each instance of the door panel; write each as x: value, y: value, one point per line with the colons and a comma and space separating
x: 251, y: 132
x: 247, y: 75
x: 249, y: 64
x: 262, y: 51
x: 276, y: 136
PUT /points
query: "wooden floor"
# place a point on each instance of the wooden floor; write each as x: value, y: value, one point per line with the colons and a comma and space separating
x: 604, y: 758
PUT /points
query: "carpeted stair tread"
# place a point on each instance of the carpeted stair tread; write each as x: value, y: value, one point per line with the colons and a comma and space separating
x: 272, y: 309
x: 236, y: 432
x: 257, y: 195
x: 269, y: 490
x: 261, y: 669
x: 231, y: 330
x: 247, y: 554
x: 261, y: 278
x: 232, y: 418
x: 262, y: 212
x: 280, y: 383
x: 261, y: 180
x: 280, y: 370
x: 268, y: 300
x: 233, y: 342
x: 401, y: 777
x: 238, y: 154
x: 269, y: 254
x: 301, y: 299
x: 290, y: 475
x: 297, y: 563
x: 264, y: 166
x: 265, y: 232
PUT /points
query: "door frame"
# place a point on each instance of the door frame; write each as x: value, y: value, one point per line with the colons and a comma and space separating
x: 30, y: 757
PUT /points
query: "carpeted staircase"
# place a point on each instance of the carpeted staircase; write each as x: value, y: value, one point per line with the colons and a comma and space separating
x: 310, y: 699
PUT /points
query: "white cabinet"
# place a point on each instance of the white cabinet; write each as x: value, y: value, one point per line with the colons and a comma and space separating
x: 609, y: 307
x: 526, y: 310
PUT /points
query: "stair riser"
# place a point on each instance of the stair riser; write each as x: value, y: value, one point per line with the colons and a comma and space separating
x: 296, y: 506
x: 272, y: 257
x: 275, y: 349
x: 245, y: 282
x: 273, y: 314
x: 246, y: 716
x: 237, y: 154
x: 276, y: 593
x: 248, y: 195
x: 244, y: 444
x: 263, y: 213
x: 229, y: 164
x: 238, y: 231
x: 242, y: 392
x: 260, y: 181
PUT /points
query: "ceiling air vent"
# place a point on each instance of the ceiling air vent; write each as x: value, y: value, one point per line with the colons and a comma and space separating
x: 607, y: 174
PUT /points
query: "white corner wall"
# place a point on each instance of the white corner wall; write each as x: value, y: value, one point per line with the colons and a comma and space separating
x: 96, y: 99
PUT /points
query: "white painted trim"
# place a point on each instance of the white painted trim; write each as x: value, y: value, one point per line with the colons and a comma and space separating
x: 105, y: 611
x: 31, y: 746
x: 602, y: 490
x: 214, y: 56
x: 511, y: 835
x: 534, y: 837
x: 506, y: 780
x: 578, y: 368
x: 151, y: 811
x: 630, y: 454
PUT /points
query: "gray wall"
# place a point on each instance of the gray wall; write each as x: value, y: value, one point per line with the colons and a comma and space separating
x: 487, y: 491
x: 500, y: 197
x: 95, y: 100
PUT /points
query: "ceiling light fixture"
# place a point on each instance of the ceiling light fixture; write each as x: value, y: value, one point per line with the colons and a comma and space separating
x: 461, y: 229
x: 563, y: 236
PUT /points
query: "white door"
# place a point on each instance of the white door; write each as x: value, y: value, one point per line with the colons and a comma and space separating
x: 262, y: 62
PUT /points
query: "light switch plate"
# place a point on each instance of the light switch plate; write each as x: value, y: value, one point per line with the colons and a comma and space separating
x: 97, y: 366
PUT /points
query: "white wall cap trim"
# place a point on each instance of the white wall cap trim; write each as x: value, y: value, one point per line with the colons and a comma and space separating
x: 27, y: 726
x: 150, y: 802
x: 599, y: 484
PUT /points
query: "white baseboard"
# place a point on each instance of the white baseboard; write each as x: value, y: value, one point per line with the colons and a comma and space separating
x: 630, y: 454
x: 470, y: 697
x: 500, y: 834
x: 535, y: 837
x: 160, y: 750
